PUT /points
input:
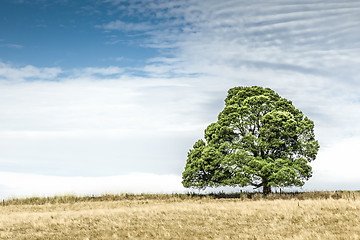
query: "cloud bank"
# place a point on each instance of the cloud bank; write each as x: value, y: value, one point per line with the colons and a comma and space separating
x: 16, y: 185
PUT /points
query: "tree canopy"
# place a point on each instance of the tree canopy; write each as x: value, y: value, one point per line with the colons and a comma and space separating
x: 260, y: 140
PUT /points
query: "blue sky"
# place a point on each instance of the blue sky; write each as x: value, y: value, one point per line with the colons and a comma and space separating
x: 68, y: 34
x: 92, y: 91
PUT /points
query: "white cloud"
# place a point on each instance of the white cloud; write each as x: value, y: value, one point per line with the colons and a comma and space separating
x: 28, y: 185
x: 111, y: 125
x: 127, y: 104
x: 128, y: 27
x: 340, y: 160
x: 12, y: 45
x: 90, y: 72
x: 118, y: 125
x: 336, y: 167
x: 103, y: 71
x: 11, y: 73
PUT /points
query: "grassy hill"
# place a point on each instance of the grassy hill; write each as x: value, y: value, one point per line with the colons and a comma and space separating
x: 312, y: 215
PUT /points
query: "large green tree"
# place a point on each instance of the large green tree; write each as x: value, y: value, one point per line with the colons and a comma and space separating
x: 260, y: 140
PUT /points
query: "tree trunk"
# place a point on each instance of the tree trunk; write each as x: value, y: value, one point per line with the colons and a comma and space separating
x: 266, y: 188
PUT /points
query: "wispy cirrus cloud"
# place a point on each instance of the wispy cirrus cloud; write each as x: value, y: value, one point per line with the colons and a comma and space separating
x: 12, y: 45
x: 89, y: 72
x: 295, y: 36
x: 127, y: 27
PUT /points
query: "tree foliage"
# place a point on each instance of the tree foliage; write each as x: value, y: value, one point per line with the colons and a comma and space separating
x: 260, y: 139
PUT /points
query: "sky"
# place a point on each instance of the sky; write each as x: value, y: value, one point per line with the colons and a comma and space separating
x: 109, y: 96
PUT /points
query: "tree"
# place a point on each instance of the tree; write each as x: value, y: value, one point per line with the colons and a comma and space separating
x: 260, y: 140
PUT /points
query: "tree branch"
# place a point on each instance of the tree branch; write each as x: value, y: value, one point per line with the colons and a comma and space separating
x: 257, y: 185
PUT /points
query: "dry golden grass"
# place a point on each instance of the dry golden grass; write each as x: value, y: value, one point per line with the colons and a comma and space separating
x: 179, y: 217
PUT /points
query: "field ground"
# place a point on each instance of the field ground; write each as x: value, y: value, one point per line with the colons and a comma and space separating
x: 323, y: 215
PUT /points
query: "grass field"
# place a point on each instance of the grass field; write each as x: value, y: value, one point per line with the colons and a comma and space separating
x: 323, y: 215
